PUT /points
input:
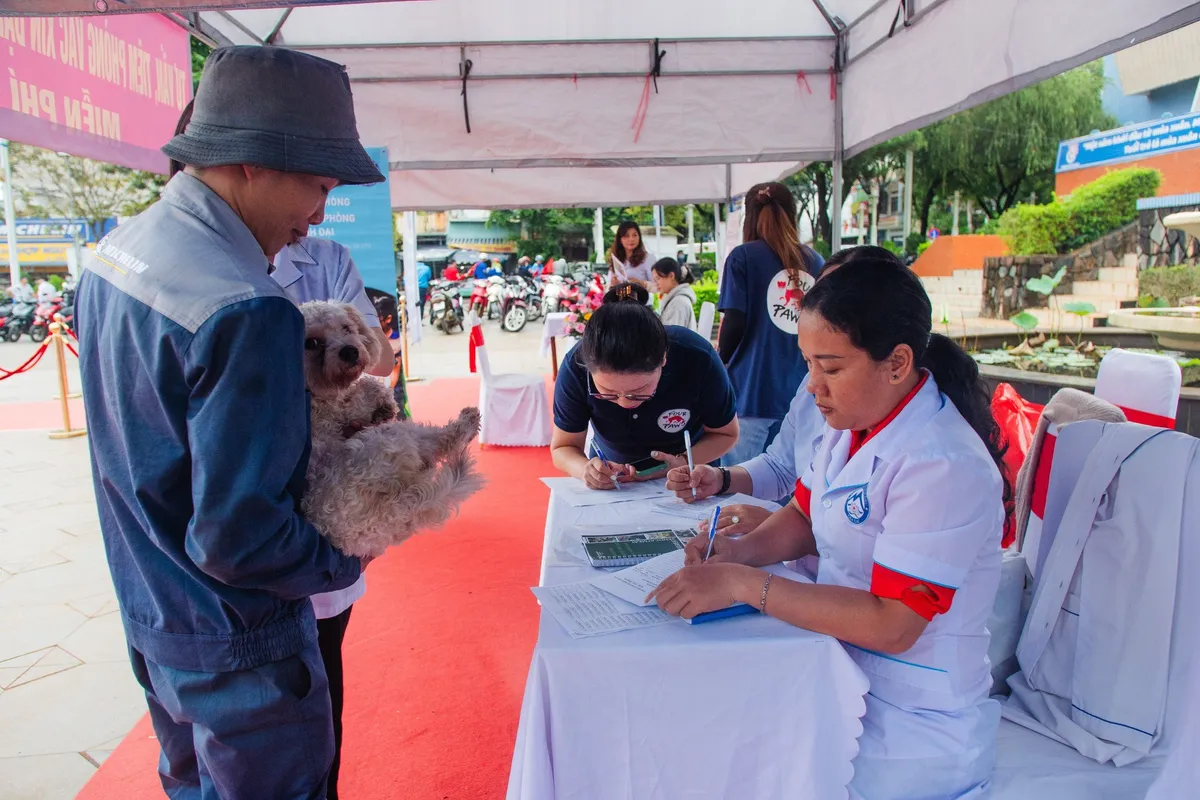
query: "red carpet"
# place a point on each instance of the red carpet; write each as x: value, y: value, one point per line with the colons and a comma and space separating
x: 437, y: 651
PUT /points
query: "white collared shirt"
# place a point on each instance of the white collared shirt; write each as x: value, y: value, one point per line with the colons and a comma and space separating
x: 921, y: 498
x: 321, y: 269
x: 773, y: 473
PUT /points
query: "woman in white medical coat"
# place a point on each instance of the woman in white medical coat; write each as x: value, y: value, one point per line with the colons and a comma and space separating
x: 903, y: 504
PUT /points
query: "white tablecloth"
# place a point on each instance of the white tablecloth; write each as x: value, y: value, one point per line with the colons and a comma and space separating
x: 554, y: 326
x: 748, y: 707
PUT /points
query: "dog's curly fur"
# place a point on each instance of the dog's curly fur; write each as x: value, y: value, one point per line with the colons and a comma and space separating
x: 373, y: 480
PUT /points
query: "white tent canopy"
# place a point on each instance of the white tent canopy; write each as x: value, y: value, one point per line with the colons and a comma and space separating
x: 564, y: 108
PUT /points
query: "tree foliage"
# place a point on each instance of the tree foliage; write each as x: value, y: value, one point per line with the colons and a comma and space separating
x: 1003, y: 151
x: 541, y: 229
x: 49, y: 184
x: 997, y: 154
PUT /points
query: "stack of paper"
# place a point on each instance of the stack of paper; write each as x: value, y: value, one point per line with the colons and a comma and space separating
x: 633, y: 584
x: 587, y: 610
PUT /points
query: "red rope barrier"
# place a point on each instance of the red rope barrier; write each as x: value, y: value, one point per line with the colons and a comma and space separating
x: 28, y: 365
x: 74, y: 352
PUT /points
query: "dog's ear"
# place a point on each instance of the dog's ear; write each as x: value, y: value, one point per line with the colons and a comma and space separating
x: 364, y: 330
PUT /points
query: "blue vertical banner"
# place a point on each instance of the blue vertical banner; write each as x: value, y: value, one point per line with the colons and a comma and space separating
x: 360, y: 219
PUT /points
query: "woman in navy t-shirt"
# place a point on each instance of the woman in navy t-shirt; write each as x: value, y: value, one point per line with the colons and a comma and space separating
x: 764, y: 281
x: 641, y: 385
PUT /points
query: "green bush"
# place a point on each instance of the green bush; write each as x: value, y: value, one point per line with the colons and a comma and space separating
x: 1169, y: 284
x: 913, y: 243
x: 1034, y: 230
x: 709, y: 259
x: 56, y: 281
x: 892, y: 247
x: 1090, y: 212
x: 922, y: 247
x: 822, y: 247
x: 706, y: 291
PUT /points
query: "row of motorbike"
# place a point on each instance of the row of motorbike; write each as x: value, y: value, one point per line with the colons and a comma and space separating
x: 19, y: 318
x: 513, y: 299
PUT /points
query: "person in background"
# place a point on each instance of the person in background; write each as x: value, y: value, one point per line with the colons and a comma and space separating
x: 321, y: 269
x: 451, y: 272
x: 480, y: 271
x: 523, y: 267
x: 201, y: 444
x: 902, y: 504
x: 46, y: 293
x: 494, y: 268
x: 640, y: 385
x: 538, y: 267
x: 385, y: 306
x: 764, y: 282
x: 628, y: 260
x: 424, y: 275
x: 24, y: 292
x: 677, y: 300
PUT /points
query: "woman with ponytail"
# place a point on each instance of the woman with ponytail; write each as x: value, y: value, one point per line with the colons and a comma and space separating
x: 764, y: 281
x: 903, y: 506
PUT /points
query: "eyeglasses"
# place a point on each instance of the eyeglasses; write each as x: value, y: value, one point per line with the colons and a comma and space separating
x: 613, y: 397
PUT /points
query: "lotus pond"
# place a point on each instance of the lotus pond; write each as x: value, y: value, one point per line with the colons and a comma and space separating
x: 1063, y: 357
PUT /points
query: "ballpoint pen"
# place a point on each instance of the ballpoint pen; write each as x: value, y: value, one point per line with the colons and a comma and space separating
x: 687, y: 443
x: 712, y: 531
x: 604, y: 458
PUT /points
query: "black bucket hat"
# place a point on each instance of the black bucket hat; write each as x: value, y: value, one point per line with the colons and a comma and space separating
x: 275, y: 108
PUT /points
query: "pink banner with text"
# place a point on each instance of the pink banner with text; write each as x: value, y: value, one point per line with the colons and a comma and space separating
x: 108, y: 88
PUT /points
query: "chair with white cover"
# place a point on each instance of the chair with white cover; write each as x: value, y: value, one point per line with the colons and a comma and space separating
x: 704, y: 325
x: 514, y: 409
x: 1143, y: 385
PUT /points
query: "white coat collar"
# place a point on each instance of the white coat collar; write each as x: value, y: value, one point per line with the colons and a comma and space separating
x: 884, y: 446
x: 286, y: 271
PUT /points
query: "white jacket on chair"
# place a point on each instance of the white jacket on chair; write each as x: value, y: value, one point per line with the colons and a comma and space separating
x: 1099, y: 644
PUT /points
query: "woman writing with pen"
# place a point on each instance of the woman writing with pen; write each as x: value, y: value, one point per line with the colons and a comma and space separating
x: 640, y: 385
x: 902, y: 503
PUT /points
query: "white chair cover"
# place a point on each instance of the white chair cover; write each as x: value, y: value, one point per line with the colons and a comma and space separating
x: 1144, y: 386
x: 704, y: 325
x: 514, y: 409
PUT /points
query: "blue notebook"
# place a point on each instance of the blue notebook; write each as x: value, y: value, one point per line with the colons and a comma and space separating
x: 722, y: 613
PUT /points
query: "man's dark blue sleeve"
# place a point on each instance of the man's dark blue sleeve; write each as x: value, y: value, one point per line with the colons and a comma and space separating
x: 248, y: 433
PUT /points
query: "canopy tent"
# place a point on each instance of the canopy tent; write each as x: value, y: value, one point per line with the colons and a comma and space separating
x: 568, y: 102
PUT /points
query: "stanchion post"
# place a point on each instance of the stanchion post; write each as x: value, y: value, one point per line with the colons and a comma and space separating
x: 408, y: 376
x: 67, y: 431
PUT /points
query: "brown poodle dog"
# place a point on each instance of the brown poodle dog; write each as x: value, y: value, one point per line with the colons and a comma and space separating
x: 374, y: 481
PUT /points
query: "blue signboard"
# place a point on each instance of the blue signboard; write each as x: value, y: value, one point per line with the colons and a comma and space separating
x: 1129, y: 143
x: 61, y: 229
x: 360, y: 218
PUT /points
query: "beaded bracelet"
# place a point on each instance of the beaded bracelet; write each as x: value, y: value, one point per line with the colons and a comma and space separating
x: 762, y: 603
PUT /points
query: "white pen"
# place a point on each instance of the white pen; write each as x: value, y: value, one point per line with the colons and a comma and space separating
x: 687, y: 442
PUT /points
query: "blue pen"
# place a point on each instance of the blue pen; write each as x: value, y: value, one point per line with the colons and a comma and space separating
x: 712, y: 531
x: 604, y: 458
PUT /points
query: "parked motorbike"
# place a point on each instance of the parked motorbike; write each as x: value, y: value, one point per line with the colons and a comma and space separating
x: 20, y: 320
x: 514, y: 312
x: 42, y: 317
x: 495, y: 295
x: 533, y: 296
x: 445, y: 306
x: 552, y: 289
x: 478, y: 300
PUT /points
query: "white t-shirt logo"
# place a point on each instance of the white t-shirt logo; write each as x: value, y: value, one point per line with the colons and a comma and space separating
x: 674, y: 420
x: 783, y: 299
